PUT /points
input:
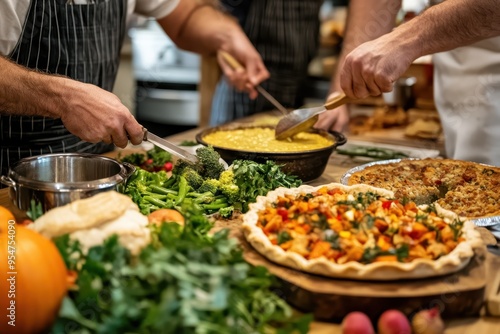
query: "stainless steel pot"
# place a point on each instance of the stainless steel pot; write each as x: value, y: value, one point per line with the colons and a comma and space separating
x: 58, y: 179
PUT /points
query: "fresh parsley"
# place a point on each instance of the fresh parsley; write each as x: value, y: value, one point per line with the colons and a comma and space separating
x: 185, y: 281
x: 283, y: 237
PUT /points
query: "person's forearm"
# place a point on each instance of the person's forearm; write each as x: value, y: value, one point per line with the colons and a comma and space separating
x: 199, y: 28
x: 366, y: 20
x: 25, y: 92
x: 449, y: 25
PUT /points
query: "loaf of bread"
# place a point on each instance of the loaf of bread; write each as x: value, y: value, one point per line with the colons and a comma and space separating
x: 92, y: 220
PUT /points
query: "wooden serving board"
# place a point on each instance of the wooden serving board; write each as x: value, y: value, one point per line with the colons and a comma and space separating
x: 330, y: 300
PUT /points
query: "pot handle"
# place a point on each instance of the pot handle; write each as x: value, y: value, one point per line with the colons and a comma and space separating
x: 129, y: 168
x: 7, y: 181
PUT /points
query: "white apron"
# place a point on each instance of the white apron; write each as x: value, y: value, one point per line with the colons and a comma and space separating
x: 467, y: 96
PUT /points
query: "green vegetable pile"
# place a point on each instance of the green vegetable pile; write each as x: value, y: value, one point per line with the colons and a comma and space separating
x: 185, y: 281
x: 206, y: 185
x: 154, y: 160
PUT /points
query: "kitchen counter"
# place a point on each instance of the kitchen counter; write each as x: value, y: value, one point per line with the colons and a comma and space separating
x: 337, y: 166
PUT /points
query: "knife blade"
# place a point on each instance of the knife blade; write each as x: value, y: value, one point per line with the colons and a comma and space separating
x: 169, y: 147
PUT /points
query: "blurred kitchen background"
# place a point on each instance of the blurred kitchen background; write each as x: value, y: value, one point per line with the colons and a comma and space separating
x: 159, y: 83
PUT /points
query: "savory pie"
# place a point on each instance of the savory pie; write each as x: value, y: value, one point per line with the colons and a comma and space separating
x: 469, y: 189
x: 358, y: 232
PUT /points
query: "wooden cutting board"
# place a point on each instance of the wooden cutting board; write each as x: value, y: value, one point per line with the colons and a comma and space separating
x: 458, y: 295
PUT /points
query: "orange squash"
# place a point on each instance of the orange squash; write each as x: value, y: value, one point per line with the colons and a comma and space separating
x: 33, y: 280
x: 6, y: 215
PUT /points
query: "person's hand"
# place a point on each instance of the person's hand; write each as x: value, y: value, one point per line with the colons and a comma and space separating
x: 253, y: 72
x: 336, y: 119
x: 95, y: 115
x: 373, y: 67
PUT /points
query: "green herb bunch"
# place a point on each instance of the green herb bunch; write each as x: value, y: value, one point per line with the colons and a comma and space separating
x: 185, y: 281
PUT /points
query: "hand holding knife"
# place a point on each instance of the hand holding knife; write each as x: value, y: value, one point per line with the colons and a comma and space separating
x: 169, y: 147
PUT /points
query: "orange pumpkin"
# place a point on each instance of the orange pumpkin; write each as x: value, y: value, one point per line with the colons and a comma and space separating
x: 5, y: 215
x: 33, y: 280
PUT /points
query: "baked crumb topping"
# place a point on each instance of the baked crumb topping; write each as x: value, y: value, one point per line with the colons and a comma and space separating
x: 469, y: 189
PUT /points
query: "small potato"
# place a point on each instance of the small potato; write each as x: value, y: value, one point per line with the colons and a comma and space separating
x: 393, y: 322
x: 357, y: 323
x: 166, y: 216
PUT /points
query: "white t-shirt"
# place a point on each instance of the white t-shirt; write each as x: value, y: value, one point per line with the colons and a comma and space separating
x: 13, y: 14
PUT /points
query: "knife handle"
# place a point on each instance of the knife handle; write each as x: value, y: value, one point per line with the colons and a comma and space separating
x: 230, y: 60
x: 145, y: 134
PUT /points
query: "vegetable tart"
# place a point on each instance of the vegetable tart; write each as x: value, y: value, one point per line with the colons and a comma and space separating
x: 358, y: 232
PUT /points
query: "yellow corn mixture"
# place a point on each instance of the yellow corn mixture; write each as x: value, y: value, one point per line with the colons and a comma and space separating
x: 363, y: 227
x: 262, y: 140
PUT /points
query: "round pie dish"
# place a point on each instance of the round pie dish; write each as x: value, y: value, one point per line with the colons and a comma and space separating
x: 418, y: 268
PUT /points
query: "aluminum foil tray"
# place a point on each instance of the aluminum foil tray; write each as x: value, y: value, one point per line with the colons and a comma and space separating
x: 345, y: 178
x: 487, y: 221
x: 483, y: 222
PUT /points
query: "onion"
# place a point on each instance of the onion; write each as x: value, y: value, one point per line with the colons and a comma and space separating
x: 428, y: 322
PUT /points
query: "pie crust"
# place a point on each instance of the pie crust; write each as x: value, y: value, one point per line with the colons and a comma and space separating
x: 452, y: 262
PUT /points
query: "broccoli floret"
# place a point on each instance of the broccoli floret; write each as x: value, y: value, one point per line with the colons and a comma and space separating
x: 226, y: 212
x: 211, y: 185
x: 227, y: 177
x: 228, y: 187
x: 192, y: 177
x: 231, y: 191
x: 180, y: 165
x: 209, y: 164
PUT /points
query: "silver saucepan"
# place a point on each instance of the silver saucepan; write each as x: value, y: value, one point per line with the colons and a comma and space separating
x: 58, y: 179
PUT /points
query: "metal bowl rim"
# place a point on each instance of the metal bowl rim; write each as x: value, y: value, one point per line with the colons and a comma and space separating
x: 68, y: 186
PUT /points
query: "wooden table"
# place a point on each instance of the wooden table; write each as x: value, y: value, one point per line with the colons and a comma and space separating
x: 337, y: 166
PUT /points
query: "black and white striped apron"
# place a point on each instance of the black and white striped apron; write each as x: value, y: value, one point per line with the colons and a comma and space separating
x: 286, y: 34
x: 79, y: 41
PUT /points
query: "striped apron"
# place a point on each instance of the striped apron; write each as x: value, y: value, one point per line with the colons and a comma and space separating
x: 286, y: 34
x: 82, y: 42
